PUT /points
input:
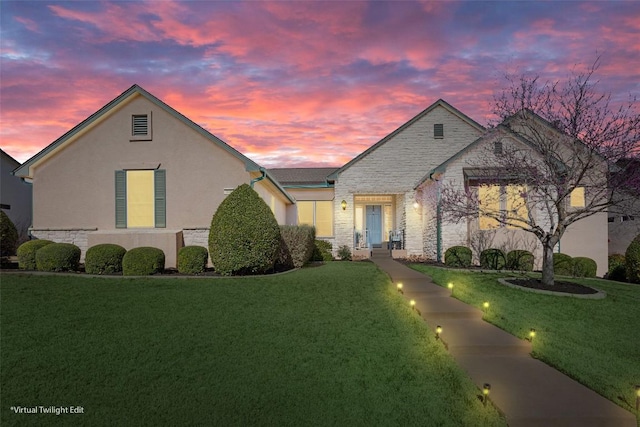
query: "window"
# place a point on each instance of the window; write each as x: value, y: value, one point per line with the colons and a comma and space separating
x: 577, y: 197
x: 141, y: 199
x: 497, y: 148
x: 141, y: 127
x: 438, y: 130
x: 489, y: 200
x: 507, y: 201
x: 3, y: 206
x: 317, y: 213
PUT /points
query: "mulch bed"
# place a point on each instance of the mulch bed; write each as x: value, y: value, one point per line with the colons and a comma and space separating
x: 558, y: 286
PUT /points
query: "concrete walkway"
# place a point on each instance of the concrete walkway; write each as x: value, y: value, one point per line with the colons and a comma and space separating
x: 528, y: 392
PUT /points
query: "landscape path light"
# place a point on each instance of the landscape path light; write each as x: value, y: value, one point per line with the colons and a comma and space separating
x: 485, y: 305
x: 399, y: 286
x: 413, y: 304
x: 637, y: 397
x: 486, y: 388
x: 438, y: 331
x: 532, y: 334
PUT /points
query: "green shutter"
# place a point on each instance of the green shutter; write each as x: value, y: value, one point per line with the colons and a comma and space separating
x: 160, y: 190
x: 121, y: 199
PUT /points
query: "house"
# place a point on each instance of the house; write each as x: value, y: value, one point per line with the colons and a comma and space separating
x: 139, y: 173
x: 15, y: 195
x: 624, y: 216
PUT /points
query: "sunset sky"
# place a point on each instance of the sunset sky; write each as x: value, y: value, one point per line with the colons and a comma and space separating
x: 295, y: 83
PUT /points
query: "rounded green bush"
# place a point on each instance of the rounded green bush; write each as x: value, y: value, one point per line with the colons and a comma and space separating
x: 322, y: 251
x: 562, y: 264
x: 244, y: 237
x: 493, y: 259
x: 192, y: 259
x: 8, y: 235
x: 27, y: 253
x: 105, y: 258
x: 458, y: 256
x: 143, y: 261
x: 584, y: 267
x: 520, y: 260
x: 58, y: 257
x: 632, y: 260
x: 617, y: 270
x: 296, y: 247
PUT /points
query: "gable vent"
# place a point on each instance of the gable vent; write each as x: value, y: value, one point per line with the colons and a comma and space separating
x: 438, y: 130
x: 140, y: 125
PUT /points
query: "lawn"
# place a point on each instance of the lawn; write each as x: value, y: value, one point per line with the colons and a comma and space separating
x: 329, y: 345
x: 596, y: 342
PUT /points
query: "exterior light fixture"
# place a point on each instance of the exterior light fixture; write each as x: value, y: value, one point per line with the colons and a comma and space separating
x: 486, y: 388
x: 438, y: 331
x: 450, y: 285
x: 416, y: 205
x: 399, y: 286
x: 485, y: 305
x: 413, y: 304
x: 344, y: 205
x: 532, y: 334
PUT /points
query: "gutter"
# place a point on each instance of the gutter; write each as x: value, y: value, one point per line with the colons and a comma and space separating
x: 260, y: 178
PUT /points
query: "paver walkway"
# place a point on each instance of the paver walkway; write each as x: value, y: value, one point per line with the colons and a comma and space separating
x: 529, y: 392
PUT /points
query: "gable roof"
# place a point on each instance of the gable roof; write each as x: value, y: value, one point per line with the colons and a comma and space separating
x: 439, y: 103
x: 10, y: 159
x: 135, y: 90
x: 491, y: 133
x: 303, y: 177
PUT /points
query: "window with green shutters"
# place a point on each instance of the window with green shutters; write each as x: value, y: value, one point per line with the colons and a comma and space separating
x: 140, y: 198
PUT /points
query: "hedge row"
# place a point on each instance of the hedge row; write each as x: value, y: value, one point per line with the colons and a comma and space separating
x: 494, y: 259
x: 565, y: 265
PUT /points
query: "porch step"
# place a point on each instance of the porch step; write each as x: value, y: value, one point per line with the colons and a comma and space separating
x: 380, y: 253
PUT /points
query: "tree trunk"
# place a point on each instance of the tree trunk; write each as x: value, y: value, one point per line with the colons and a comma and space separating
x: 548, y: 272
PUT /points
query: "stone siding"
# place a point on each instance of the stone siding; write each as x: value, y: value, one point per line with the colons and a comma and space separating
x: 75, y: 236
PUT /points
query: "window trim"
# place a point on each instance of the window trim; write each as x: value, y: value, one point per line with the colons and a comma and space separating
x: 315, y: 212
x: 438, y: 130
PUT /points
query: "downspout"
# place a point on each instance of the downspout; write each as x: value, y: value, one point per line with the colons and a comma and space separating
x: 260, y: 178
x: 438, y: 221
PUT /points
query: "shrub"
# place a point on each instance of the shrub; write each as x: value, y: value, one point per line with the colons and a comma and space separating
x: 458, y: 256
x: 27, y: 253
x: 105, y: 258
x: 344, y: 253
x: 297, y: 245
x: 143, y: 261
x: 192, y: 259
x: 584, y: 267
x: 617, y: 270
x: 493, y: 259
x: 562, y: 264
x: 322, y: 251
x: 244, y: 237
x: 8, y: 236
x: 632, y: 260
x: 58, y: 257
x: 520, y: 260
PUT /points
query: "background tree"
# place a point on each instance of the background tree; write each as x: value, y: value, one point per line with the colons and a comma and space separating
x: 572, y: 136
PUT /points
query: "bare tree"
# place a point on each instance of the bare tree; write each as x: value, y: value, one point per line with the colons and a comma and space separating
x: 556, y: 146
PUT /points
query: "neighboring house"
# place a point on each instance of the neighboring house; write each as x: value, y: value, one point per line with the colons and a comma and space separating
x: 139, y: 173
x: 15, y: 195
x: 624, y: 218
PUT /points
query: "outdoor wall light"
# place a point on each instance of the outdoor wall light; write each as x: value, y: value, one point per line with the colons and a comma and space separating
x: 532, y: 334
x: 438, y: 331
x: 416, y: 205
x: 486, y: 388
x: 413, y: 303
x: 399, y: 285
x: 344, y: 205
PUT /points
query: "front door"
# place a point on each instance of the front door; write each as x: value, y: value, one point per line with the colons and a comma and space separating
x: 374, y: 225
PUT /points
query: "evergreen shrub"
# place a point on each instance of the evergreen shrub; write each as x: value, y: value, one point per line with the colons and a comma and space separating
x: 562, y: 264
x: 632, y: 260
x: 105, y: 258
x: 322, y: 251
x: 458, y: 256
x: 27, y: 253
x: 520, y: 260
x: 8, y: 235
x: 297, y: 245
x: 584, y: 267
x: 617, y: 270
x: 493, y: 259
x: 58, y: 257
x: 143, y: 261
x: 192, y: 259
x: 244, y: 237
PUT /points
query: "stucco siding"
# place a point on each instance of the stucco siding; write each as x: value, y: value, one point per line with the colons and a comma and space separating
x: 16, y: 194
x: 588, y: 238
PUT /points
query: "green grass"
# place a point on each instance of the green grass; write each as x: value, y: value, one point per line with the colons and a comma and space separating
x: 596, y: 342
x: 331, y: 345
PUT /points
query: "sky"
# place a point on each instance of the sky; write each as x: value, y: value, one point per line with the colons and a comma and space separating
x: 296, y: 83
